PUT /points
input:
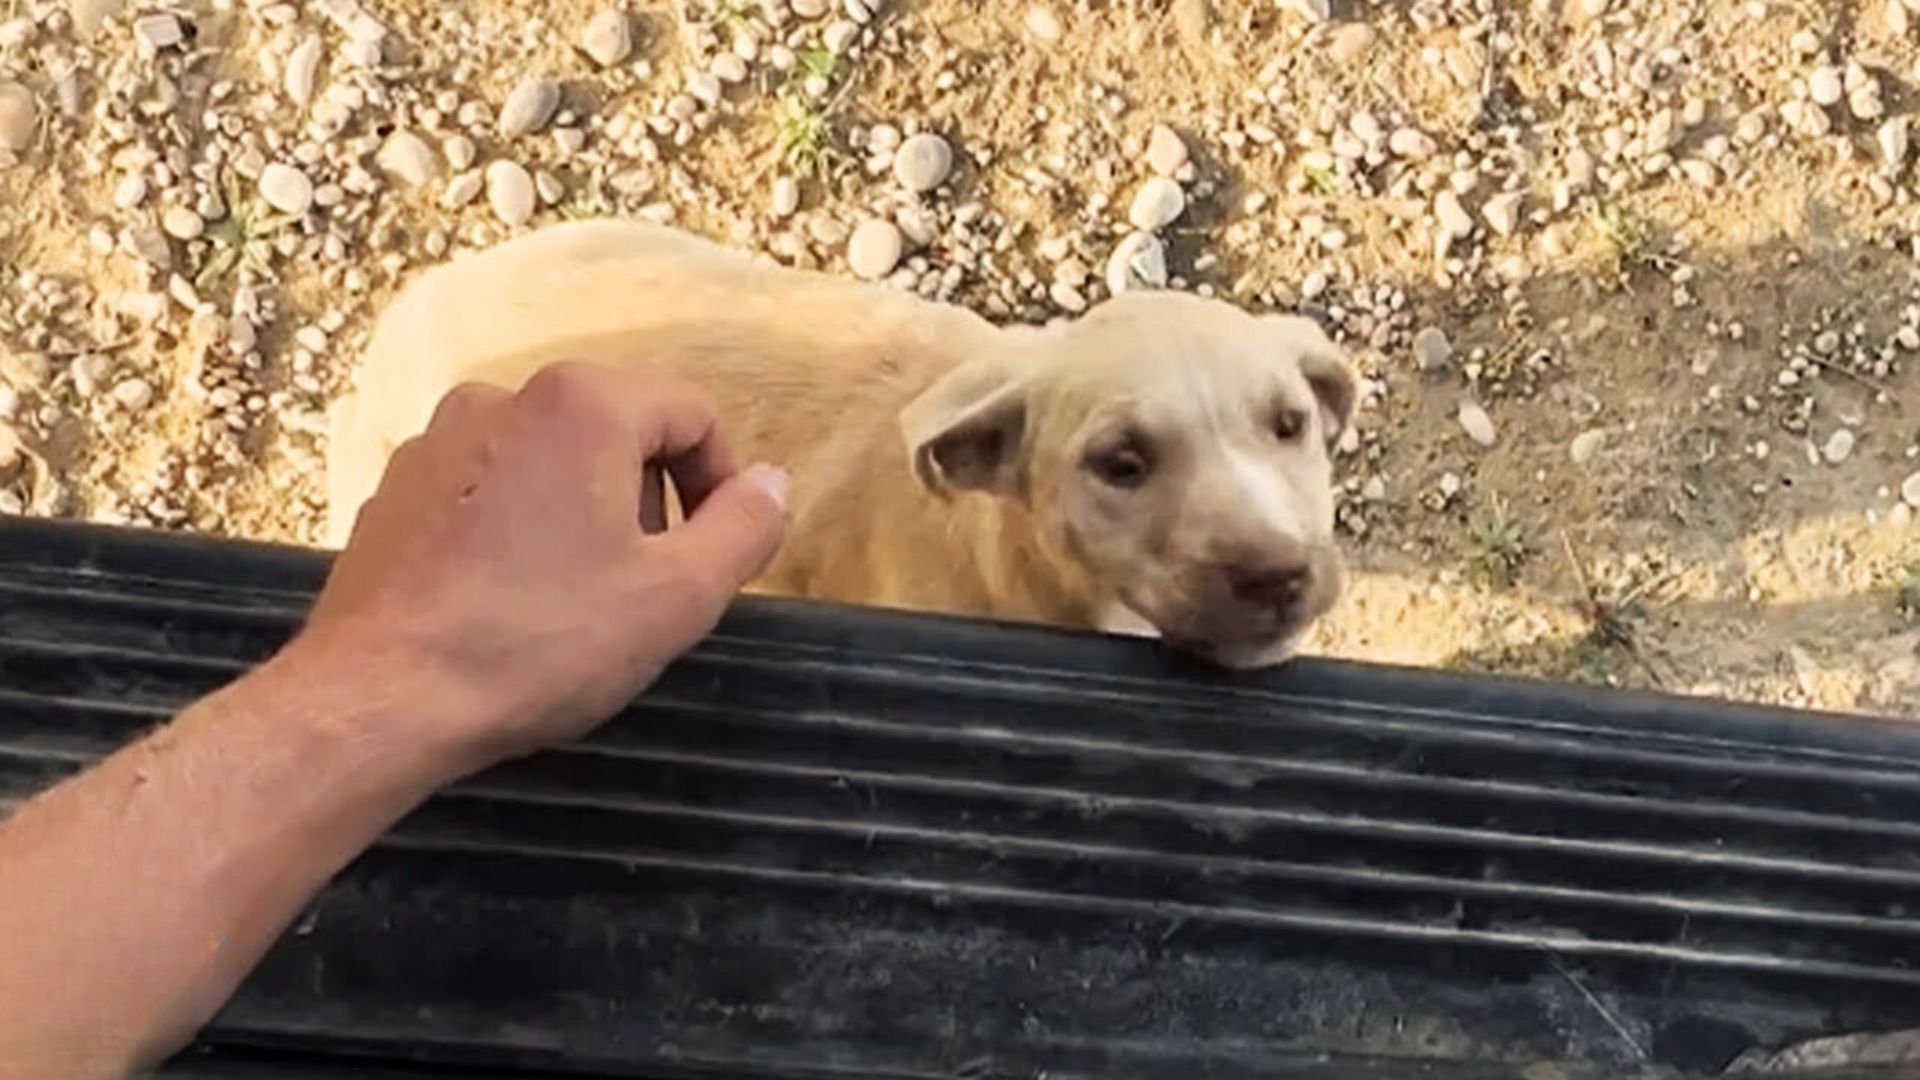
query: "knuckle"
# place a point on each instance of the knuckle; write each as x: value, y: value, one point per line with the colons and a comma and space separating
x: 572, y: 390
x: 464, y: 401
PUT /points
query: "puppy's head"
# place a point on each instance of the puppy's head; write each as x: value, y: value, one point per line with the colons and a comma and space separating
x: 1174, y: 451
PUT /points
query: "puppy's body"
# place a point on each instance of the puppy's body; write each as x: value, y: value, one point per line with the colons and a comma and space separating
x: 939, y: 463
x: 807, y: 371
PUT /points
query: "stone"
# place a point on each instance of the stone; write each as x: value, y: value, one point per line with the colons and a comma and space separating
x: 1314, y: 11
x: 1453, y: 217
x: 286, y: 188
x: 875, y: 249
x: 1910, y: 490
x: 607, y: 39
x: 1166, y: 151
x: 1839, y: 446
x: 1893, y: 138
x: 786, y: 197
x: 182, y: 223
x: 729, y: 68
x: 1138, y: 261
x: 19, y: 116
x: 1477, y: 424
x: 133, y: 394
x: 302, y: 74
x: 1044, y: 25
x: 1431, y: 349
x: 1412, y: 144
x: 156, y: 32
x: 510, y: 192
x: 1586, y: 446
x: 1350, y: 43
x: 923, y: 162
x: 811, y: 9
x: 1502, y: 212
x: 529, y: 105
x: 840, y: 36
x: 1067, y: 298
x: 88, y: 15
x: 407, y: 158
x: 1157, y: 204
x: 1826, y: 86
x: 460, y: 152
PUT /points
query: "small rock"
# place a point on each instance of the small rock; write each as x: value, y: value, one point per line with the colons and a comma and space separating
x: 303, y: 71
x: 133, y: 394
x: 1350, y: 43
x: 18, y: 116
x: 1826, y: 86
x: 840, y: 36
x: 1412, y: 144
x: 1477, y: 424
x: 1166, y: 151
x: 729, y: 68
x: 786, y: 197
x: 1910, y: 490
x: 1453, y: 217
x: 462, y: 189
x: 1893, y: 138
x: 706, y: 88
x: 156, y: 32
x: 810, y: 9
x: 1838, y: 447
x: 1157, y: 204
x: 1067, y: 298
x: 918, y: 224
x: 407, y: 158
x: 923, y: 162
x: 1314, y: 11
x: 1044, y: 25
x: 510, y: 192
x: 1585, y: 446
x: 1375, y: 491
x: 529, y: 105
x: 1503, y: 212
x: 286, y: 188
x: 875, y: 249
x: 1139, y: 260
x: 182, y: 223
x: 1431, y: 349
x: 607, y: 39
x: 460, y: 151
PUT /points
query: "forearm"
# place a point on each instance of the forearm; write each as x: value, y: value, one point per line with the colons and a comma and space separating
x: 136, y: 896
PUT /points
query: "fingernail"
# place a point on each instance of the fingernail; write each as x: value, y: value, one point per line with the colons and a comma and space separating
x: 774, y: 481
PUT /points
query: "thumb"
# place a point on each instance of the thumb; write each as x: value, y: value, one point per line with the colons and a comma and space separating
x: 738, y: 528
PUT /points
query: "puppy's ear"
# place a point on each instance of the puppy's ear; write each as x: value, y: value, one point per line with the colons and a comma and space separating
x: 968, y: 431
x: 1328, y: 372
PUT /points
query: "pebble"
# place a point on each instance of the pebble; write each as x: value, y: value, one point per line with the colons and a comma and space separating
x: 407, y: 158
x: 286, y: 188
x: 840, y: 36
x: 1412, y: 144
x: 1838, y: 447
x: 462, y: 189
x: 529, y: 105
x: 1477, y: 424
x: 1350, y: 43
x: 510, y: 192
x: 1139, y: 260
x: 1067, y: 298
x: 1910, y: 490
x: 786, y: 196
x: 303, y: 71
x: 133, y: 394
x: 607, y: 39
x: 1453, y: 217
x: 1826, y: 86
x: 1157, y: 204
x: 1044, y: 25
x: 810, y: 9
x: 18, y: 115
x: 1314, y: 11
x: 1431, y: 349
x: 460, y: 151
x: 1585, y: 446
x: 1503, y: 212
x: 1166, y: 151
x: 156, y: 32
x: 182, y: 223
x: 1893, y: 138
x: 875, y: 249
x: 729, y: 68
x: 923, y: 162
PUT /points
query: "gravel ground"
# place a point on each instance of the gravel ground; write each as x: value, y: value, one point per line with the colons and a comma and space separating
x: 1634, y: 284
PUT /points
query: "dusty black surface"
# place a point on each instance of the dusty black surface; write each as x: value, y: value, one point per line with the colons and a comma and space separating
x: 839, y: 844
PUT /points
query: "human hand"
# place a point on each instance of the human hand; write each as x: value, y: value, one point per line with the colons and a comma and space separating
x: 515, y: 555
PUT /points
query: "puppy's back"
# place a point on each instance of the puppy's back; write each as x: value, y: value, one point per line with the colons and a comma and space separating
x: 802, y: 365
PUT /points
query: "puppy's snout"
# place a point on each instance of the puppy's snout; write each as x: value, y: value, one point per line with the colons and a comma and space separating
x: 1270, y: 584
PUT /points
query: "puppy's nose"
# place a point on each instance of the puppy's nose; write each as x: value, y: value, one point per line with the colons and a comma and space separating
x: 1271, y: 585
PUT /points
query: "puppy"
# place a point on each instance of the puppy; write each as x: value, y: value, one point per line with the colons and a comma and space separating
x: 1160, y: 465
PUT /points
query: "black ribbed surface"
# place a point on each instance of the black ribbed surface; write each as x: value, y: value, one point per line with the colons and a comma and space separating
x: 840, y: 844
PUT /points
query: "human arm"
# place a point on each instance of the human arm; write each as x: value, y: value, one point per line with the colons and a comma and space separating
x: 498, y: 595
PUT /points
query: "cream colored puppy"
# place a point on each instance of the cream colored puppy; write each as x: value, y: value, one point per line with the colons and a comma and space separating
x: 1159, y: 465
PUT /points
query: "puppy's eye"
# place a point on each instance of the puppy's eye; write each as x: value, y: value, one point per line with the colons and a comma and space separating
x: 1289, y: 424
x: 1126, y: 465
